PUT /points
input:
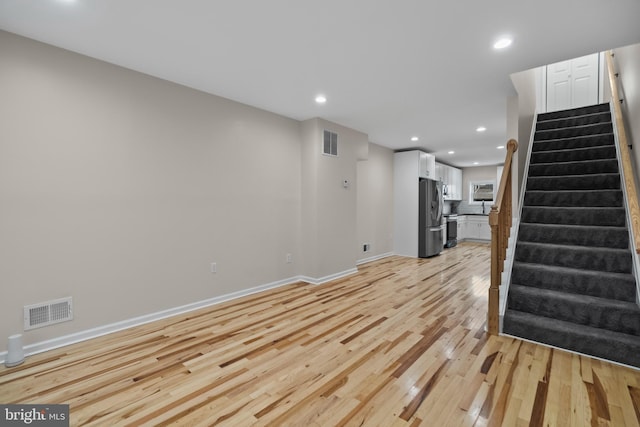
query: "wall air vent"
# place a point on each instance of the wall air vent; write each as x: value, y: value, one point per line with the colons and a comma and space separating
x: 48, y: 313
x: 330, y: 143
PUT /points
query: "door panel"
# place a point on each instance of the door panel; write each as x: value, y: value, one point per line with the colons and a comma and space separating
x: 559, y: 96
x: 582, y: 92
x: 573, y: 84
x: 585, y: 80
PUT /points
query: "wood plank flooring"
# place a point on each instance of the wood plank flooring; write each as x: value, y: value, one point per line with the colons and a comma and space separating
x: 401, y: 343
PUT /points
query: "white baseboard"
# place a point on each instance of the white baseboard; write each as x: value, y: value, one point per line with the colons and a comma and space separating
x: 74, y: 338
x: 321, y: 280
x: 88, y: 334
x: 373, y: 258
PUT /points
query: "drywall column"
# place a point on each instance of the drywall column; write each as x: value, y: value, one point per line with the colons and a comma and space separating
x: 525, y: 84
x: 329, y: 206
x: 375, y: 203
x: 512, y: 133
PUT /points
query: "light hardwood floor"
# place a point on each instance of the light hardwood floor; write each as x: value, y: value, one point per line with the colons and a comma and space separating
x: 401, y: 343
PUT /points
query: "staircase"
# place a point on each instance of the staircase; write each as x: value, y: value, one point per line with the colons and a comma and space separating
x: 572, y: 284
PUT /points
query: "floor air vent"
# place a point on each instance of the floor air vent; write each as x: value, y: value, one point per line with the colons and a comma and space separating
x: 47, y: 313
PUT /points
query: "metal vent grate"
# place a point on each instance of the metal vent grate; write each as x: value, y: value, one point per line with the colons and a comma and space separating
x: 48, y: 313
x: 330, y: 143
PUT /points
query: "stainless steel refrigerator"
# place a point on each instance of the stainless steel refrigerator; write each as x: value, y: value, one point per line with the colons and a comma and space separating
x: 430, y: 218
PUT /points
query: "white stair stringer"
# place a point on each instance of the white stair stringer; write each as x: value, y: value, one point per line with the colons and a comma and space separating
x: 506, y: 273
x: 627, y: 210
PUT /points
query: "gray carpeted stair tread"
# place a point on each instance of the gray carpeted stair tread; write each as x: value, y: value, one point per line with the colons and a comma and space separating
x: 614, y: 315
x: 574, y: 154
x: 577, y: 235
x: 580, y: 111
x: 545, y: 148
x: 573, y: 198
x: 579, y: 120
x: 604, y: 216
x: 601, y: 181
x: 574, y: 168
x: 570, y: 132
x: 571, y: 143
x: 620, y: 286
x: 610, y: 345
x: 602, y: 259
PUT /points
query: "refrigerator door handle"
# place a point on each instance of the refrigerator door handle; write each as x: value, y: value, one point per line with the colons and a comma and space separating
x: 439, y: 196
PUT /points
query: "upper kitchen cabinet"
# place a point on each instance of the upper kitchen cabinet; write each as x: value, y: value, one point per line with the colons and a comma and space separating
x: 416, y: 164
x: 439, y: 169
x: 427, y: 165
x: 451, y: 179
x: 456, y: 184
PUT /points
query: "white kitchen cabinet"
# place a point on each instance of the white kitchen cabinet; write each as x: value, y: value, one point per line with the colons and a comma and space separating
x: 447, y: 180
x: 462, y: 227
x: 439, y: 172
x: 452, y: 178
x: 478, y: 227
x: 427, y: 164
x: 455, y: 184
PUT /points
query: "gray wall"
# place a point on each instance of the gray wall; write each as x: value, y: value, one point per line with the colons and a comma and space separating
x: 375, y: 203
x: 627, y: 63
x: 329, y: 220
x: 512, y: 133
x: 525, y: 85
x: 478, y: 173
x: 120, y: 189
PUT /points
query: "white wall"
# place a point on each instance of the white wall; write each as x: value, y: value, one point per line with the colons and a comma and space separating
x: 627, y: 64
x: 329, y: 218
x: 406, y: 171
x: 120, y: 189
x: 512, y: 133
x: 479, y: 173
x: 375, y: 203
x: 526, y: 84
x: 311, y: 135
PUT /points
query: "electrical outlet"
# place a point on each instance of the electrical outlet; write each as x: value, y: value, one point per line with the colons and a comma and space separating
x: 289, y: 258
x: 214, y: 267
x: 366, y: 247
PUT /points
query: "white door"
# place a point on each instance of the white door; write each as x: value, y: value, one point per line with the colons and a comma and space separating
x: 573, y: 83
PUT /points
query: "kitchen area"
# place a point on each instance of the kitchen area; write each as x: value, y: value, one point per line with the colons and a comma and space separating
x: 437, y: 205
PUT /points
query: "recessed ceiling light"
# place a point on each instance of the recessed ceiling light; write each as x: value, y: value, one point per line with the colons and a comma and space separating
x: 476, y: 163
x: 414, y: 138
x: 500, y: 147
x: 321, y: 99
x: 452, y: 152
x: 481, y: 129
x: 503, y: 42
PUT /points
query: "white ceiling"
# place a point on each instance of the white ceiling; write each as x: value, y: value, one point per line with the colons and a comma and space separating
x: 389, y: 68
